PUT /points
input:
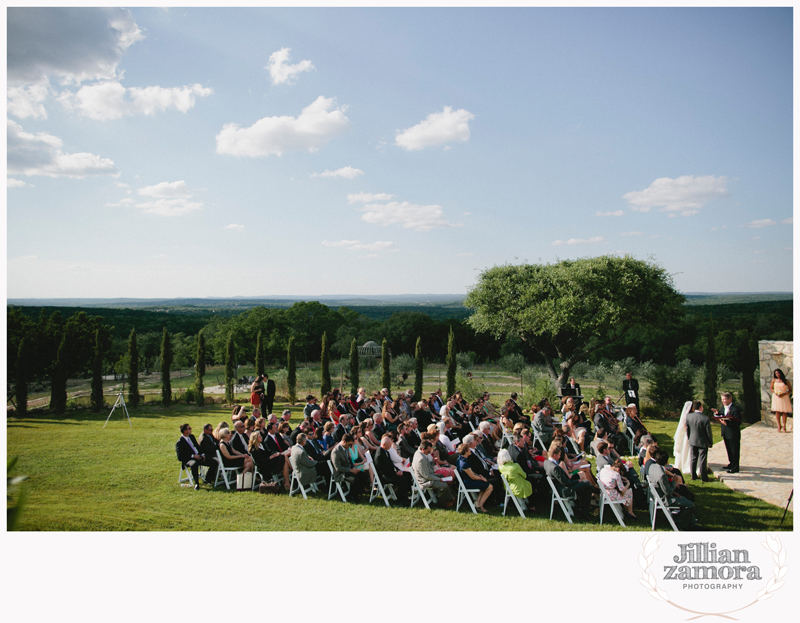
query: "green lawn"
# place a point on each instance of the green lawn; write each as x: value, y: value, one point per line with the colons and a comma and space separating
x: 82, y: 477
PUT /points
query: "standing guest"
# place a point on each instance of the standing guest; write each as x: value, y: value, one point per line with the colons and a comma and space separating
x: 730, y: 419
x: 257, y: 391
x: 209, y: 445
x: 269, y: 394
x: 630, y: 390
x: 188, y: 451
x: 698, y: 430
x: 781, y: 400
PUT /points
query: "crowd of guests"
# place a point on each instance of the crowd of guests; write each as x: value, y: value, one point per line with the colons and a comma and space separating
x: 442, y: 441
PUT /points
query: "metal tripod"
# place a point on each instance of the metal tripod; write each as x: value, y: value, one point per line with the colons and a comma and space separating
x: 120, y: 401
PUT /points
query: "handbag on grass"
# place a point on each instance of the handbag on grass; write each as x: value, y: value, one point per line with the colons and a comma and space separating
x: 244, y: 481
x: 269, y: 487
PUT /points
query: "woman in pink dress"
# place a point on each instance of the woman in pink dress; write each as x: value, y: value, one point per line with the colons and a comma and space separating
x: 616, y: 487
x: 781, y: 401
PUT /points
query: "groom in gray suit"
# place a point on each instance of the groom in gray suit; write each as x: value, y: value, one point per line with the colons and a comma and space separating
x: 698, y: 429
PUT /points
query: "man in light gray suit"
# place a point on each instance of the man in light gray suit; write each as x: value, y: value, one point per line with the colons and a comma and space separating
x: 698, y: 429
x: 427, y: 478
x: 302, y: 464
x: 344, y: 469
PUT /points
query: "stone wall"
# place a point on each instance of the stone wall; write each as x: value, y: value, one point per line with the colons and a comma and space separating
x: 773, y: 355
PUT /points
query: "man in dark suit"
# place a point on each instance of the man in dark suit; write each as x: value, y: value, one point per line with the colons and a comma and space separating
x: 208, y: 448
x: 630, y: 390
x: 571, y: 388
x: 278, y: 455
x: 188, y: 451
x: 698, y: 429
x: 240, y: 440
x: 341, y: 428
x: 401, y: 481
x: 578, y: 490
x: 315, y: 451
x: 534, y: 473
x: 304, y: 427
x: 730, y: 418
x: 269, y: 395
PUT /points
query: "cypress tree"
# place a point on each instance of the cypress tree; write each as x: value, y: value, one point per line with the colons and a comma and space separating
x: 166, y: 363
x: 451, y: 363
x: 133, y: 371
x: 291, y: 371
x: 418, y: 370
x: 386, y: 379
x: 200, y: 369
x: 97, y: 374
x: 710, y: 383
x: 21, y: 374
x: 229, y: 370
x: 353, y: 367
x: 325, y: 386
x: 58, y: 392
x: 747, y: 360
x: 259, y: 354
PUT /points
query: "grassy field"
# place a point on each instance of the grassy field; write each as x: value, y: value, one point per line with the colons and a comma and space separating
x: 84, y: 477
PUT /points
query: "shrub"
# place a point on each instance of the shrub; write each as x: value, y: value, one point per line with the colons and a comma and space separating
x: 189, y: 395
x: 514, y: 363
x: 470, y: 388
x: 402, y: 364
x: 671, y: 387
x: 465, y: 360
x: 542, y: 387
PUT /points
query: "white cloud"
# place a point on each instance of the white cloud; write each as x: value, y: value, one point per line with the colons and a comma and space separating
x: 169, y: 207
x: 281, y: 71
x: 122, y: 184
x: 167, y: 190
x: 405, y: 214
x: 27, y: 100
x: 465, y: 255
x: 40, y: 154
x: 571, y: 241
x: 14, y: 183
x: 684, y: 195
x: 317, y: 124
x: 438, y: 128
x: 787, y: 221
x: 111, y: 100
x: 72, y: 44
x: 758, y: 224
x: 614, y: 213
x: 234, y: 226
x: 367, y: 197
x: 357, y: 245
x: 631, y: 233
x: 345, y: 172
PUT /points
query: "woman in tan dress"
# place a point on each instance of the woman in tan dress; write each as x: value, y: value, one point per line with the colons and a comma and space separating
x: 781, y: 402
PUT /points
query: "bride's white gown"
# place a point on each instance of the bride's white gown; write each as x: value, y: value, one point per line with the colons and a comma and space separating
x: 681, y: 449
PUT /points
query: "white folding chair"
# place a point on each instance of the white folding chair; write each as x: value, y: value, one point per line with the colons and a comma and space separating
x: 605, y: 500
x: 567, y: 506
x: 296, y: 486
x: 575, y: 445
x: 379, y: 489
x: 418, y: 493
x: 537, y: 438
x: 335, y: 487
x: 188, y: 477
x: 657, y: 501
x: 222, y: 473
x: 470, y: 495
x: 509, y: 495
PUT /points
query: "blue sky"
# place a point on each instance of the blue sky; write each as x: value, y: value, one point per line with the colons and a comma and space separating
x: 227, y: 152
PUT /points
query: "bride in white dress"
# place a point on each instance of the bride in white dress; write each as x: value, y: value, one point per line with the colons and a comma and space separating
x: 681, y: 449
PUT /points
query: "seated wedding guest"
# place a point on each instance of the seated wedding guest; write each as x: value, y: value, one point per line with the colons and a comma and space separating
x: 414, y: 436
x: 568, y: 488
x: 606, y: 421
x: 285, y: 416
x: 516, y: 478
x: 327, y: 436
x: 440, y: 465
x: 209, y: 444
x: 634, y: 424
x: 311, y: 404
x: 240, y: 440
x: 646, y: 441
x: 543, y: 425
x: 316, y: 450
x: 333, y: 410
x: 616, y: 487
x: 303, y: 427
x: 285, y: 430
x: 230, y: 457
x: 579, y: 467
x: 345, y: 469
x: 436, y: 400
x: 488, y: 442
x: 574, y: 430
x: 358, y: 453
x: 427, y: 478
x: 391, y: 474
x: 391, y: 415
x: 371, y: 440
x: 365, y: 410
x: 657, y: 475
x: 189, y: 454
x: 218, y: 428
x: 471, y: 479
x: 303, y: 465
x: 401, y: 464
x: 278, y: 453
x: 361, y: 396
x: 250, y: 425
x: 404, y: 447
x: 378, y: 426
x: 423, y: 416
x: 569, y: 405
x: 341, y: 428
x: 441, y: 427
x: 260, y: 455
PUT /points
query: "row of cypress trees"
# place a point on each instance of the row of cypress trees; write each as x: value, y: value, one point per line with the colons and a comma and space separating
x: 58, y: 397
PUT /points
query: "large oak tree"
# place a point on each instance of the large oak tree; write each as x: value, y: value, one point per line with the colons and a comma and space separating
x: 570, y: 309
